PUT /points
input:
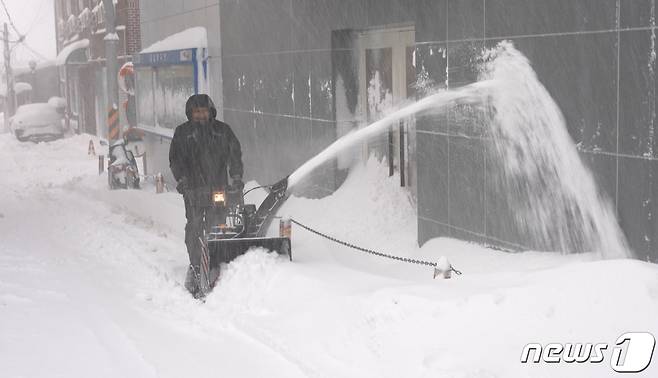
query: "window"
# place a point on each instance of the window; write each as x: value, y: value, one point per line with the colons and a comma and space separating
x: 161, y: 94
x: 73, y: 92
x: 144, y: 96
x: 175, y: 84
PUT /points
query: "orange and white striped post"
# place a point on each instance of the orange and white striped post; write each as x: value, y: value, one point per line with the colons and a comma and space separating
x: 114, y: 131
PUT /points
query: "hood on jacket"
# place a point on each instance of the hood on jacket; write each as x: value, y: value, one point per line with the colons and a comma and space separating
x: 200, y: 101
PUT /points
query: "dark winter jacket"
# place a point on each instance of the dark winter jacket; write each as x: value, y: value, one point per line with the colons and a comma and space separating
x: 200, y: 154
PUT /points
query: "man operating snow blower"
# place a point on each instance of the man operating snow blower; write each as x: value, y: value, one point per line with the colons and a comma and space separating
x: 220, y: 226
x: 201, y: 152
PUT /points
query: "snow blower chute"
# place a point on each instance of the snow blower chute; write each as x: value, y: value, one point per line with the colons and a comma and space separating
x: 231, y: 228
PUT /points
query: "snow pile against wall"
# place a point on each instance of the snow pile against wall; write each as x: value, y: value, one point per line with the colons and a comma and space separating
x: 369, y: 207
x: 188, y: 38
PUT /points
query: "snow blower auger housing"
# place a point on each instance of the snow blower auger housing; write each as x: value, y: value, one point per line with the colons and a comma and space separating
x: 231, y: 228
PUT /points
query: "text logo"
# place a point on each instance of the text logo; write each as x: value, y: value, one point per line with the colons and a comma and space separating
x: 632, y: 352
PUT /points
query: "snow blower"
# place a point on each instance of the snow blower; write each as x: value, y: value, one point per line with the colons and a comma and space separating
x: 231, y: 228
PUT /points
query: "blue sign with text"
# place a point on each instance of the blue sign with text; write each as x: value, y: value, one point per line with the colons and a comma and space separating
x: 165, y: 58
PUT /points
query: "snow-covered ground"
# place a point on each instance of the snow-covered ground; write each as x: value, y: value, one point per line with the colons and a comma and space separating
x: 91, y: 285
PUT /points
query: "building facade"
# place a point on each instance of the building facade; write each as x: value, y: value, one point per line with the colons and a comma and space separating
x: 291, y: 76
x: 80, y: 26
x: 181, y: 56
x: 43, y: 79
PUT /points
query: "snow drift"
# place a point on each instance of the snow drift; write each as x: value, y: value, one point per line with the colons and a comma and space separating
x: 91, y: 283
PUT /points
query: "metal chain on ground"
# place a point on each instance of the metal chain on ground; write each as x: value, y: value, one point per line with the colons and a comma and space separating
x: 346, y: 244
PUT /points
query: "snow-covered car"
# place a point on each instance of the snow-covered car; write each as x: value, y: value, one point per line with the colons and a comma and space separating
x: 37, y: 122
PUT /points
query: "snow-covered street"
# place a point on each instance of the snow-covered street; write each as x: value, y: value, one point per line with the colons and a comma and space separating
x: 91, y: 285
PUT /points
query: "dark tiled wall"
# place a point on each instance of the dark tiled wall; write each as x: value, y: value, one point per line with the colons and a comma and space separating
x: 593, y: 56
x: 595, y: 59
x: 278, y: 75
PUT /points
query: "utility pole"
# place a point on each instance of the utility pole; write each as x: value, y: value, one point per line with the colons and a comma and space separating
x: 111, y: 43
x: 9, y: 93
x: 33, y: 80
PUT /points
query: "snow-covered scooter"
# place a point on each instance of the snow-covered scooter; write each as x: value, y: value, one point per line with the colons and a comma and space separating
x: 122, y: 168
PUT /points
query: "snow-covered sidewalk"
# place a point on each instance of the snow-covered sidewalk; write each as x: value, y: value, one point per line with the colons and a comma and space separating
x: 91, y: 285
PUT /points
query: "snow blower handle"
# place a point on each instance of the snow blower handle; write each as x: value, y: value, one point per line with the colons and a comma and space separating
x: 270, y: 205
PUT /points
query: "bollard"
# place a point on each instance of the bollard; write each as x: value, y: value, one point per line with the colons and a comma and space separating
x: 159, y: 183
x: 91, y: 150
x: 443, y: 268
x: 144, y: 170
x: 101, y: 164
x: 285, y: 228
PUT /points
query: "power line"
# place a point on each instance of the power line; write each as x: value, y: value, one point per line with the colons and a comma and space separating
x: 39, y: 55
x: 32, y: 51
x: 11, y: 21
x: 10, y: 41
x: 36, y: 18
x: 16, y: 43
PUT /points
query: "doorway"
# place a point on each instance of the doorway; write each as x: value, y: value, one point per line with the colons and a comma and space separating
x: 386, y: 77
x: 86, y: 96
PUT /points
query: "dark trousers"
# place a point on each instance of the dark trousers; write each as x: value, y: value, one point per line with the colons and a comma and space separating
x: 193, y: 232
x: 194, y: 228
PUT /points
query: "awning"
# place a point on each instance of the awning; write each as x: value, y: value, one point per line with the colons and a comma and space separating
x: 195, y: 37
x: 68, y: 50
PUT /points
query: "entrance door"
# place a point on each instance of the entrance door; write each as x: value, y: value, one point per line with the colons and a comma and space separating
x: 87, y: 109
x: 385, y: 55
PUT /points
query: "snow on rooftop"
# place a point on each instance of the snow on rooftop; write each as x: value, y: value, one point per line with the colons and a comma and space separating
x: 188, y: 38
x: 19, y: 88
x: 69, y: 49
x: 26, y: 69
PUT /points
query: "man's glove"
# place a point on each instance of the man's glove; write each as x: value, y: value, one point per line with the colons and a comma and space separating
x: 182, y: 186
x: 238, y: 184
